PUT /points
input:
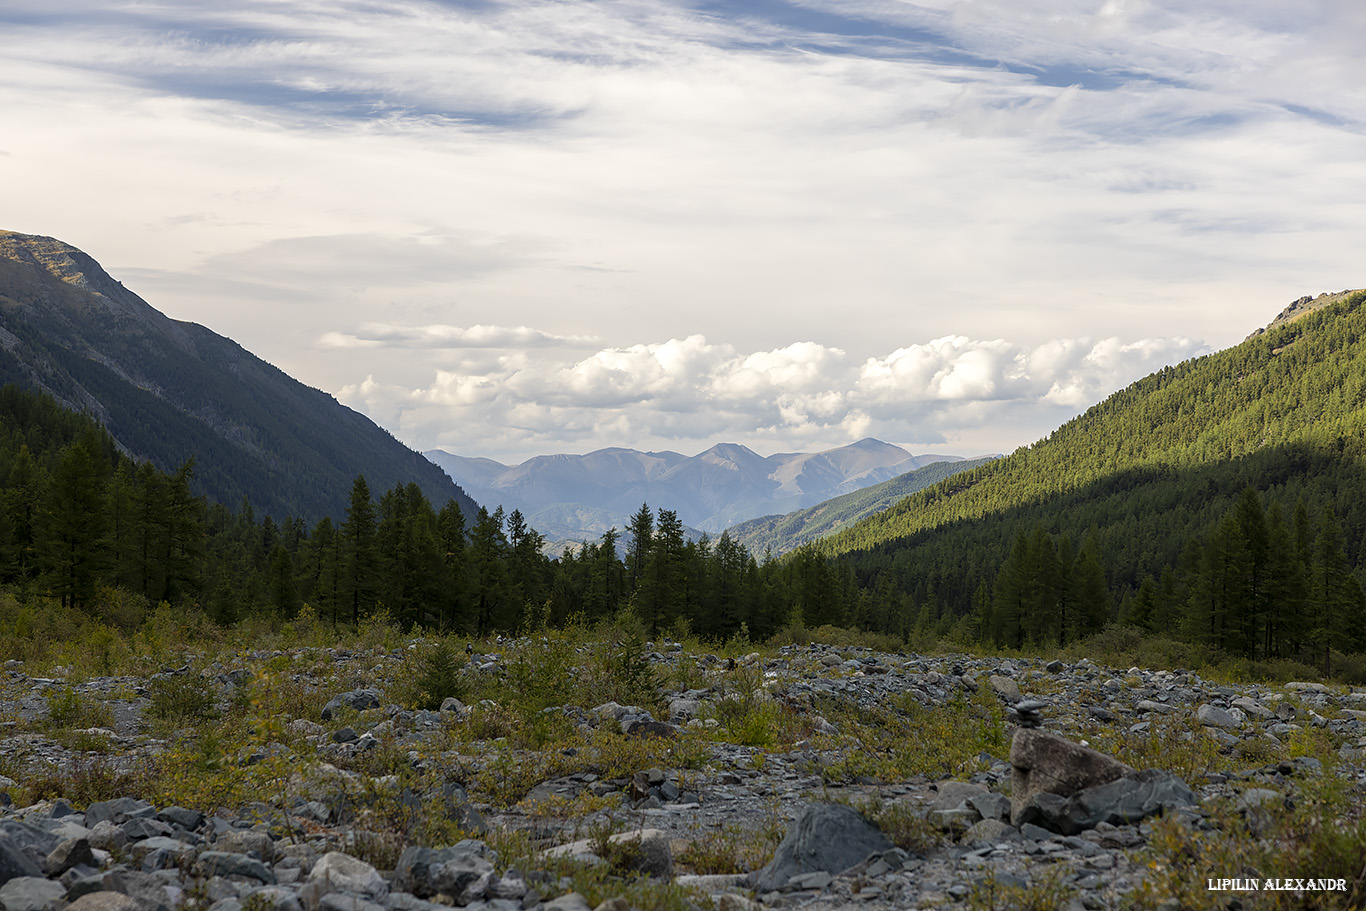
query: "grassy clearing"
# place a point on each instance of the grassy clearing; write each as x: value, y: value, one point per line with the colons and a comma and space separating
x: 904, y: 738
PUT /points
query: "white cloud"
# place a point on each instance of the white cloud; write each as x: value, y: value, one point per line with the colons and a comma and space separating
x: 685, y: 390
x: 427, y: 179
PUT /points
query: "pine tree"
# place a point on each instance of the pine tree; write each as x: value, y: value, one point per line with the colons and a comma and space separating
x: 73, y: 528
x: 639, y: 535
x: 359, y: 555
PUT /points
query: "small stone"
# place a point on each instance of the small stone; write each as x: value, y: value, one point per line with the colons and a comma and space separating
x: 1006, y: 688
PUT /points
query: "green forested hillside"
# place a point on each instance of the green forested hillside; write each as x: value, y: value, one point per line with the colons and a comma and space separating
x: 1144, y: 486
x: 784, y: 533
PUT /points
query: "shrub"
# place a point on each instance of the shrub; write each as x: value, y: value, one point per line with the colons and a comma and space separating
x: 84, y: 783
x: 1046, y: 894
x: 1175, y: 743
x: 437, y: 674
x: 730, y: 849
x: 1322, y: 834
x: 908, y: 826
x: 66, y: 709
x: 181, y: 698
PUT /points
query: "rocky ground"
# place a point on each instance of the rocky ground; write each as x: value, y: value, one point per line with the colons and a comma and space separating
x: 735, y: 786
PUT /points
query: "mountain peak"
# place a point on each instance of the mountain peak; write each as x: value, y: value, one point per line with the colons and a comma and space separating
x: 1304, y: 306
x: 730, y: 452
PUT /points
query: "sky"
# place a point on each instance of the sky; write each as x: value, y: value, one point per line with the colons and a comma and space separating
x: 507, y: 229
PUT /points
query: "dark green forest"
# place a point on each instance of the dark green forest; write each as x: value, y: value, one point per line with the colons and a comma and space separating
x: 1220, y: 502
x: 79, y: 518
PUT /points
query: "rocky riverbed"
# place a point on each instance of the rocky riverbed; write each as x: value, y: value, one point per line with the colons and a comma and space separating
x: 687, y: 801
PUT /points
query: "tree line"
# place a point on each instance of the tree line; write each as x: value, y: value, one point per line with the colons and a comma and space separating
x: 77, y: 516
x: 1256, y: 585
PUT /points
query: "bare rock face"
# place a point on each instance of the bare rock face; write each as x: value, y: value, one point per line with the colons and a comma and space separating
x: 1046, y: 762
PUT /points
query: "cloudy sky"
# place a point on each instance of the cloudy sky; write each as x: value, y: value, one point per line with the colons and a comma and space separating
x: 512, y: 228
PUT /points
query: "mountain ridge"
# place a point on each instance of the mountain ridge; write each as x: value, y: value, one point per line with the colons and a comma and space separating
x: 168, y: 390
x: 710, y: 491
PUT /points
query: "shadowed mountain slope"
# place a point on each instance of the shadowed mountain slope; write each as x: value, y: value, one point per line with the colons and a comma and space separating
x: 168, y: 391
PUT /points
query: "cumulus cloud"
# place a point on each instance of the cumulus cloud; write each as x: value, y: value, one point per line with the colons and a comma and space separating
x: 690, y: 389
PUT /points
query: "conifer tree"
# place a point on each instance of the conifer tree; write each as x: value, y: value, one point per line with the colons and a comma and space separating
x: 73, y: 527
x: 359, y: 555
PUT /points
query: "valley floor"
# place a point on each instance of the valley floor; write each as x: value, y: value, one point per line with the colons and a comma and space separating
x: 311, y: 776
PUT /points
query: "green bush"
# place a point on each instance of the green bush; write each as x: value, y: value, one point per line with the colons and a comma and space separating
x: 438, y: 674
x: 181, y: 698
x: 66, y: 709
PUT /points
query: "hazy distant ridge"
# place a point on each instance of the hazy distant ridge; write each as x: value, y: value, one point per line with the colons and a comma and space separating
x: 569, y: 495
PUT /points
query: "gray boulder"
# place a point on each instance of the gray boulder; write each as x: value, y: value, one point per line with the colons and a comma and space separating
x: 1042, y: 762
x: 68, y: 854
x: 230, y: 864
x: 1215, y: 717
x: 118, y: 811
x: 27, y: 837
x: 360, y: 700
x: 1006, y: 688
x: 31, y: 893
x: 1120, y: 802
x: 426, y: 871
x: 144, y: 889
x: 829, y: 837
x: 14, y: 862
x: 343, y: 873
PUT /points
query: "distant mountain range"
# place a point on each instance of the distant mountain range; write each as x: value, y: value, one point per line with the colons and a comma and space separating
x: 569, y: 497
x: 167, y: 390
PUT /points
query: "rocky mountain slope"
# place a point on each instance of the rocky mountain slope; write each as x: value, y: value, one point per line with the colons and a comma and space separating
x: 168, y: 390
x: 570, y: 496
x: 1303, y: 307
x: 807, y: 776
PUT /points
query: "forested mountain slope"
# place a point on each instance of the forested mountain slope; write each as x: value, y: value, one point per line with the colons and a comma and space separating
x: 168, y: 390
x: 784, y: 533
x: 1144, y: 484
